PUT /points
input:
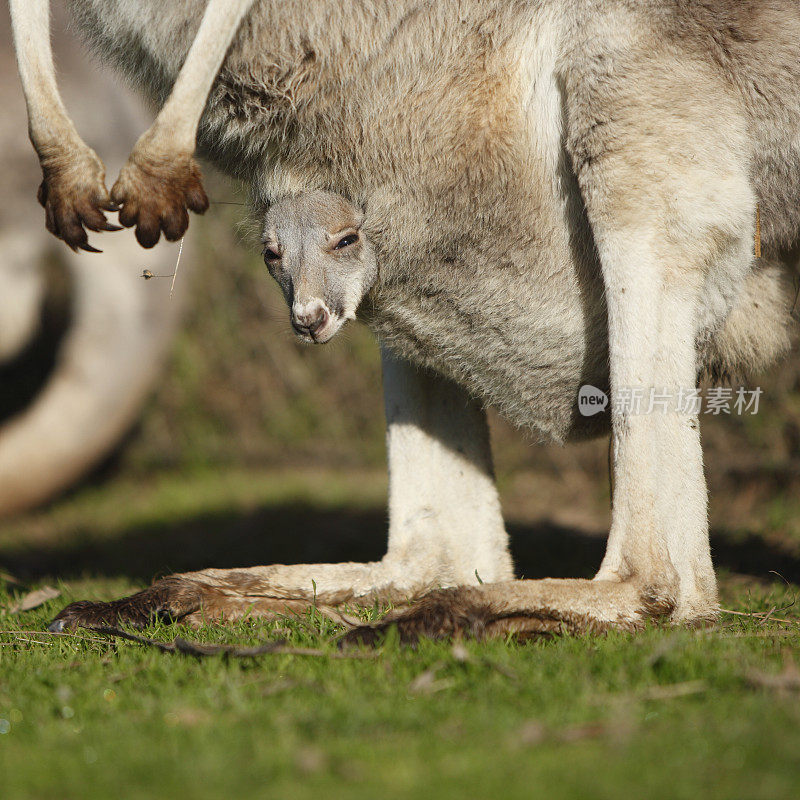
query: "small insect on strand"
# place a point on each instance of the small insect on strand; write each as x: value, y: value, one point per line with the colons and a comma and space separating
x: 147, y: 274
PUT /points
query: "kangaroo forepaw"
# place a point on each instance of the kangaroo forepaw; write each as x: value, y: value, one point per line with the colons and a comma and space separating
x: 156, y: 193
x: 170, y: 599
x: 74, y: 195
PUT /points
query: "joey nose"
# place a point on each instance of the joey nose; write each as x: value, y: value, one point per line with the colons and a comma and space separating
x: 311, y: 319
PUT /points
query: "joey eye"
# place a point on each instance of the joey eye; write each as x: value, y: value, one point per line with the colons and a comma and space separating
x: 271, y: 255
x: 346, y: 241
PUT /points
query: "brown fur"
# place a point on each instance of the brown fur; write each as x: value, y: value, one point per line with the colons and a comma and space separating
x: 74, y: 196
x: 463, y: 612
x: 154, y: 195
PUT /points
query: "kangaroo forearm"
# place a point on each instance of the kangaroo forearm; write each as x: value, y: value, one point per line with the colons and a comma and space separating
x: 48, y: 122
x: 180, y: 116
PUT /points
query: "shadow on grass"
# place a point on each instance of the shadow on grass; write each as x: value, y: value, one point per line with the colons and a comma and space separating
x: 295, y: 533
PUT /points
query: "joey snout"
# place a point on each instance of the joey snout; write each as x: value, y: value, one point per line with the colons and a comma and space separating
x: 314, y: 247
x: 312, y: 320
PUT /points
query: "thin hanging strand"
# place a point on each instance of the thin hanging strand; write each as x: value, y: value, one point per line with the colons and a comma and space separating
x: 147, y: 274
x: 175, y: 273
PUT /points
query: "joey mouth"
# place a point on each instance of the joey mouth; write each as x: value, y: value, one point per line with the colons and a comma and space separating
x: 313, y: 322
x: 321, y: 336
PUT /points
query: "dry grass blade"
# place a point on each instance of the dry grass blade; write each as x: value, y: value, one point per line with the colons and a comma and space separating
x: 185, y: 647
x: 333, y: 614
x: 787, y: 680
x: 34, y: 599
x: 674, y: 690
x: 196, y: 649
x: 7, y: 577
x: 762, y: 616
x: 576, y: 733
x: 47, y: 636
x: 769, y: 634
x: 462, y: 656
x: 426, y: 682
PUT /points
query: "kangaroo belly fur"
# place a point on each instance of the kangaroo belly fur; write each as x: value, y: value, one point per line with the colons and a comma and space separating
x: 445, y: 122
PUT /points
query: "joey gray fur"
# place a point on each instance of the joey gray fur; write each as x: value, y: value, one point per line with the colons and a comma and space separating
x: 317, y: 253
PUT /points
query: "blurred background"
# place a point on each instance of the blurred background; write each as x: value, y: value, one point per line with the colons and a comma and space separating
x: 141, y: 435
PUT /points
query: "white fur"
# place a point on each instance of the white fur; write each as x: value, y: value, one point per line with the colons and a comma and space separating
x: 176, y: 125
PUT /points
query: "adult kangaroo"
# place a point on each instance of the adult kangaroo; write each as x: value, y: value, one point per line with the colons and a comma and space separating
x: 558, y: 193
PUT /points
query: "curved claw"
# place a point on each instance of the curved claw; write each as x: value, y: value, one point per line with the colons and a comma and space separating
x: 71, y: 209
x: 156, y: 194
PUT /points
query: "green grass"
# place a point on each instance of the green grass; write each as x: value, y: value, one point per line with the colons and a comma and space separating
x: 662, y: 714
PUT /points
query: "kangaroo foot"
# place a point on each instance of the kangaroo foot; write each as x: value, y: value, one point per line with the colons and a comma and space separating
x: 169, y: 599
x: 525, y: 609
x: 193, y: 599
